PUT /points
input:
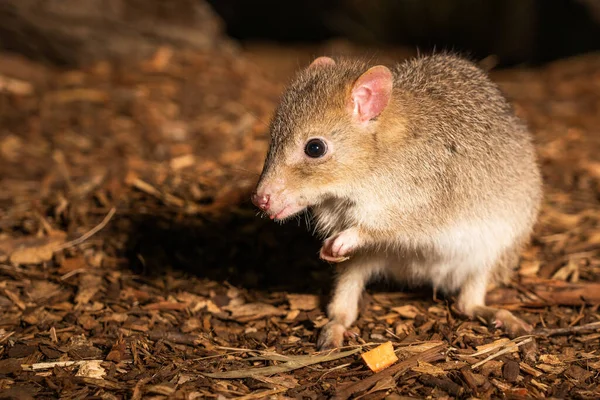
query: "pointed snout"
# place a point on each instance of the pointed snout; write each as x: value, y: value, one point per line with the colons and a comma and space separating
x: 274, y: 201
x: 261, y: 200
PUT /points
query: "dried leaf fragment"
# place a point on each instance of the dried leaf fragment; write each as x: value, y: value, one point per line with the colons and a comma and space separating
x: 117, y: 353
x: 89, y: 285
x: 419, y: 348
x: 407, y: 311
x: 486, y: 348
x: 285, y: 380
x: 162, y: 388
x: 49, y: 365
x: 380, y: 357
x: 165, y: 305
x: 429, y: 369
x: 15, y: 86
x: 91, y: 369
x: 253, y: 311
x: 33, y: 250
x: 387, y: 383
x: 305, y: 302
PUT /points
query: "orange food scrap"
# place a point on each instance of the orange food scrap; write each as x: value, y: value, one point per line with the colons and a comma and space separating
x: 380, y: 357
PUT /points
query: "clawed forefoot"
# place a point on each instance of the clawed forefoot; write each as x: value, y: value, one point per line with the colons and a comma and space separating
x: 339, y: 247
x: 332, y: 336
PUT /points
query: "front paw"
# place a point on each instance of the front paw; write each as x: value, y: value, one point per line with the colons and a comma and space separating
x: 338, y: 248
x: 332, y: 336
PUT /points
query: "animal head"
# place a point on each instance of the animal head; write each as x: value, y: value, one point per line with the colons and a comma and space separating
x: 323, y: 139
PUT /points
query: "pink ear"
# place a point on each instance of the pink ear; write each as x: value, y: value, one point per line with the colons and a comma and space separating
x: 371, y: 93
x: 321, y: 61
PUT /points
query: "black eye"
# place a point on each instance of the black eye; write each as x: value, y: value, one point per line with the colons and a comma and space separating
x: 315, y: 148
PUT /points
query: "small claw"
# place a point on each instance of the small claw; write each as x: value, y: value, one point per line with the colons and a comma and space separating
x: 326, y: 254
x: 350, y: 334
x: 337, y: 248
x: 333, y: 259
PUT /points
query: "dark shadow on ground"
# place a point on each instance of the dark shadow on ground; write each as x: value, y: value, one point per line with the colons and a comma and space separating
x: 241, y: 249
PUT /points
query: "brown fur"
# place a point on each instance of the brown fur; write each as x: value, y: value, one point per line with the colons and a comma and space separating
x: 447, y: 155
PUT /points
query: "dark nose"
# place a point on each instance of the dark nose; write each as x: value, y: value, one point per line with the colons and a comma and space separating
x: 261, y: 201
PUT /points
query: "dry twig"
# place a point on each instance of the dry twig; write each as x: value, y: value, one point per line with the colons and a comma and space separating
x: 507, y: 349
x: 565, y: 331
x: 88, y: 234
x: 294, y: 362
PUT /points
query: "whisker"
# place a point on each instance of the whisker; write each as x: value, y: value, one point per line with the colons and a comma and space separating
x: 251, y: 113
x: 239, y: 169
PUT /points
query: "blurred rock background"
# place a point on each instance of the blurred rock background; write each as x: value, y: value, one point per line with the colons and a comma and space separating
x: 515, y: 31
x: 79, y: 32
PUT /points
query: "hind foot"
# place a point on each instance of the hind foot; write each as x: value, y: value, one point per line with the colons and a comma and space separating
x: 503, y: 319
x: 510, y: 324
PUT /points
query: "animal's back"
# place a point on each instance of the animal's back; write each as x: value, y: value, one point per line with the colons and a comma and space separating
x: 461, y: 119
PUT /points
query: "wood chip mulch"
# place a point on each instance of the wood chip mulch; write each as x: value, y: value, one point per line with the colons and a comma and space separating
x: 133, y: 266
